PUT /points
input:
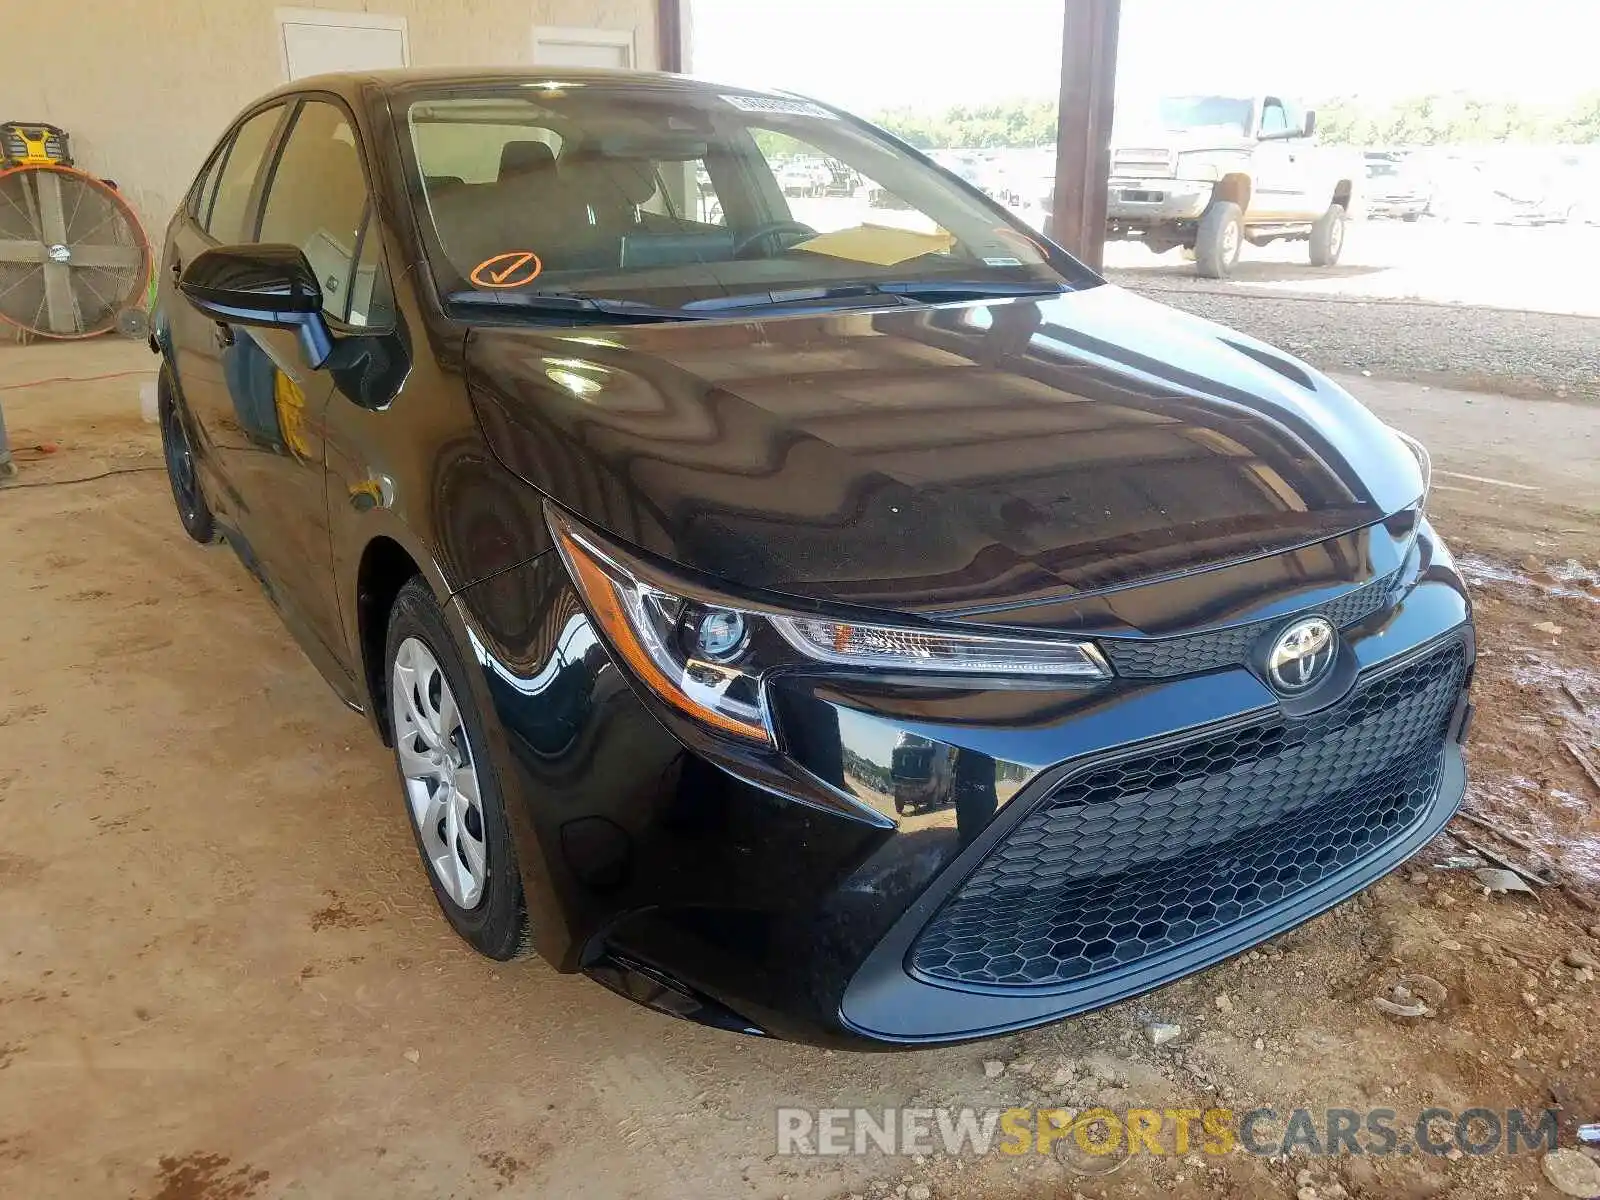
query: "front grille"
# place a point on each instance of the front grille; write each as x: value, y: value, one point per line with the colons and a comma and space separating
x: 1149, y: 163
x: 1135, y: 857
x: 1190, y: 654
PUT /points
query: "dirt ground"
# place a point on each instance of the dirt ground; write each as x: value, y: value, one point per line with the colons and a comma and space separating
x: 1452, y: 262
x: 222, y: 976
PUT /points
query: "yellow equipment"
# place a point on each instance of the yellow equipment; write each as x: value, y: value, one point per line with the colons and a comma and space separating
x: 33, y: 144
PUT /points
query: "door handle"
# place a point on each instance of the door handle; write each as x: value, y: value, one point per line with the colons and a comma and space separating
x: 222, y: 335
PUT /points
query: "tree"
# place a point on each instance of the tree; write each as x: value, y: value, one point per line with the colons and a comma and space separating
x: 1456, y: 117
x: 1435, y: 119
x: 1023, y: 122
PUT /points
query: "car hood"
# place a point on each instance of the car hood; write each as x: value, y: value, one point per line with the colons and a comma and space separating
x: 1180, y: 141
x: 941, y: 459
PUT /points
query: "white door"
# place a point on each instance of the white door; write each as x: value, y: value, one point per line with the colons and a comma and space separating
x: 1280, y: 191
x: 558, y: 47
x: 315, y: 43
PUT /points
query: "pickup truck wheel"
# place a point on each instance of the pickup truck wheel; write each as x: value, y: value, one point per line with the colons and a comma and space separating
x: 1217, y: 241
x: 1327, y: 237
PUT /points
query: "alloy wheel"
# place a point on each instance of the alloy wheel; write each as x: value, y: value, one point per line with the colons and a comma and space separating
x: 441, y: 778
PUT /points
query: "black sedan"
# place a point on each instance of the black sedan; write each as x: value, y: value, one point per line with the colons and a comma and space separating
x: 870, y: 628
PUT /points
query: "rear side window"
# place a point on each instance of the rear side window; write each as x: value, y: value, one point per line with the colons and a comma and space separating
x: 222, y: 211
x: 317, y: 200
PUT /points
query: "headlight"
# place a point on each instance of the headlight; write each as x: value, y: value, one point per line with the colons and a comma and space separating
x: 903, y: 649
x: 1424, y: 462
x: 706, y: 655
x: 1209, y: 165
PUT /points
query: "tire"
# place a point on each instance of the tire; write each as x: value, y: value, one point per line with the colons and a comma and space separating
x: 1411, y: 218
x: 482, y: 895
x: 1217, y: 241
x: 1327, y: 237
x: 193, y: 511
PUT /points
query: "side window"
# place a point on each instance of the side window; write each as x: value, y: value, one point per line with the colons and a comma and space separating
x: 371, y: 303
x: 316, y: 199
x: 707, y: 204
x: 1273, y: 119
x: 1294, y: 117
x: 222, y: 212
x: 204, y: 188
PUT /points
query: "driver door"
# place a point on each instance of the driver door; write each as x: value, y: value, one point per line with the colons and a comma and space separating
x: 315, y: 197
x: 1281, y: 186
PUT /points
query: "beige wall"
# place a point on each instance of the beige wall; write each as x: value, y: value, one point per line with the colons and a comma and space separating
x: 150, y: 84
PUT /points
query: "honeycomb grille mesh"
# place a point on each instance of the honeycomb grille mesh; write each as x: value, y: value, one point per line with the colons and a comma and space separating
x: 1136, y: 857
x: 1189, y: 654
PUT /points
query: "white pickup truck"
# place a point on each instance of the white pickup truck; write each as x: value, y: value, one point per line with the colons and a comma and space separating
x: 1210, y: 173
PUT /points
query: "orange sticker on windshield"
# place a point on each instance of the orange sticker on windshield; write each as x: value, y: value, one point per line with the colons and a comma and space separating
x: 510, y: 270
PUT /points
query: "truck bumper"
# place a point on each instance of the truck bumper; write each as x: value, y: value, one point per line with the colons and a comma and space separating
x: 1153, y: 201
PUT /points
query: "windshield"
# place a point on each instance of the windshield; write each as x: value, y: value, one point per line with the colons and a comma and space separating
x: 1206, y: 112
x: 644, y: 195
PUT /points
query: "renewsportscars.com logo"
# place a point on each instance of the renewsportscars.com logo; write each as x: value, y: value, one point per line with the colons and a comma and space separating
x: 1101, y: 1133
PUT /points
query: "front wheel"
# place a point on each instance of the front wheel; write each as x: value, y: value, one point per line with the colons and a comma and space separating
x: 1327, y: 237
x: 193, y: 511
x: 1217, y: 241
x: 451, y: 792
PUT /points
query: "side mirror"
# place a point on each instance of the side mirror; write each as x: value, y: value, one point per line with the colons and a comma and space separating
x: 1311, y: 121
x: 266, y: 285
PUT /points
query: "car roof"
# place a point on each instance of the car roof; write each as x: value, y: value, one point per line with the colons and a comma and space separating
x: 408, y: 79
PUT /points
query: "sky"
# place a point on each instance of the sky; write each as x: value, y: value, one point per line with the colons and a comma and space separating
x: 869, y: 55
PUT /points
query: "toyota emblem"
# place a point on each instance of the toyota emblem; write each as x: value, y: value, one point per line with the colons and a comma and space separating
x: 1302, y: 655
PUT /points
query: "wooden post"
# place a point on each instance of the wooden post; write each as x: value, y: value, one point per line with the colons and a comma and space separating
x: 672, y: 54
x: 1083, y: 136
x: 670, y: 34
x: 7, y: 467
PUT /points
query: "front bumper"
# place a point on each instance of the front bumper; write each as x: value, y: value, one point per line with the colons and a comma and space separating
x: 1396, y: 206
x: 1134, y: 200
x: 786, y: 893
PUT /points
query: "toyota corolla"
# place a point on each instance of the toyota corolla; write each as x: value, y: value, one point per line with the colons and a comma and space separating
x: 847, y: 621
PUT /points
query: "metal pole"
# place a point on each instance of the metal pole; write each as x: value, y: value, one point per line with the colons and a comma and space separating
x: 1083, y: 134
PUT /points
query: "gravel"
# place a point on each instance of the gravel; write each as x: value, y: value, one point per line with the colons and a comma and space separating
x: 1493, y: 349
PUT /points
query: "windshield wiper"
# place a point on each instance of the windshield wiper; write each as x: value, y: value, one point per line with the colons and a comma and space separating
x: 904, y: 290
x: 573, y: 305
x: 974, y: 289
x: 779, y: 296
